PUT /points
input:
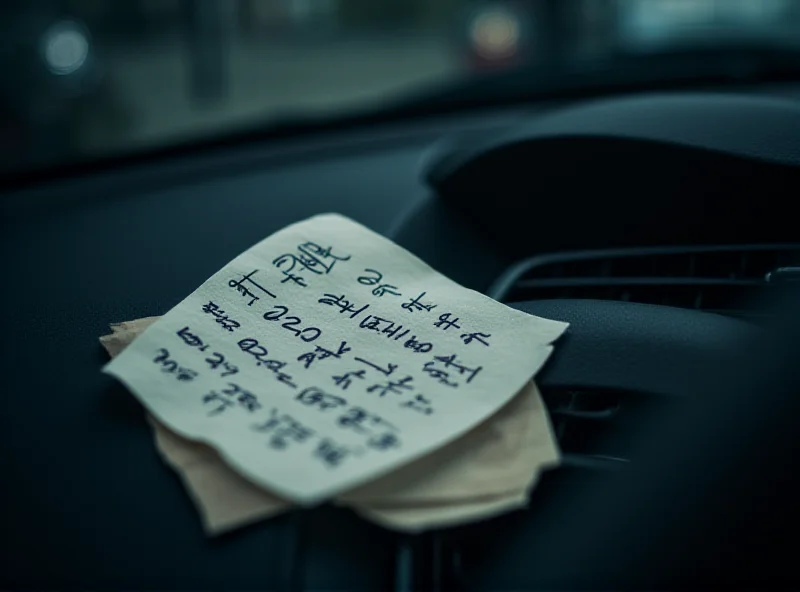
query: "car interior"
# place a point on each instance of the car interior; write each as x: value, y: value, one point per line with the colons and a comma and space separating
x: 655, y: 217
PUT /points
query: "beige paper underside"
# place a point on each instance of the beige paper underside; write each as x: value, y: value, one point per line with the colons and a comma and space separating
x: 488, y: 471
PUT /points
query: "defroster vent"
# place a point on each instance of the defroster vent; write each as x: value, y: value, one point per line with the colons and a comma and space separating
x: 720, y: 279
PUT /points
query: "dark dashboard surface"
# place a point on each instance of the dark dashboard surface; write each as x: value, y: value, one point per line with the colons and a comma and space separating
x: 87, y: 502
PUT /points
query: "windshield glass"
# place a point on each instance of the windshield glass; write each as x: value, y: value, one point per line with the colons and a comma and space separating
x: 91, y: 78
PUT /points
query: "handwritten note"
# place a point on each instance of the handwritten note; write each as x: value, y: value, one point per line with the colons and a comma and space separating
x: 326, y: 355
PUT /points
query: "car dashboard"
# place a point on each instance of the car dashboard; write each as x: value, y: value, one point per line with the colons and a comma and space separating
x: 604, y: 200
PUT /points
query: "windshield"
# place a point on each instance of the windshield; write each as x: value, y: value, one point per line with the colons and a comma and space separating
x: 92, y: 78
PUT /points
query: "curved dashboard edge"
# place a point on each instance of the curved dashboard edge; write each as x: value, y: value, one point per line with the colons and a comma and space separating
x: 132, y: 243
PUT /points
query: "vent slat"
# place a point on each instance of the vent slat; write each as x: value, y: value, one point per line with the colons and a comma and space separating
x: 584, y: 415
x: 719, y: 279
x: 597, y: 462
x: 739, y: 314
x: 600, y: 282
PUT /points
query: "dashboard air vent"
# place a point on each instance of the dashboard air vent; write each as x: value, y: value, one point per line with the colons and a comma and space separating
x: 717, y: 279
x: 599, y: 429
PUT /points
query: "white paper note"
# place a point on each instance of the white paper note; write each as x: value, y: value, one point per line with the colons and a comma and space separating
x: 326, y: 355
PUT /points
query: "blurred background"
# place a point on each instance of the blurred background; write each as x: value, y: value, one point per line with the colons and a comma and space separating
x: 85, y: 78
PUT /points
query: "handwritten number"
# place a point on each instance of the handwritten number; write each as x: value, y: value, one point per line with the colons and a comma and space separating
x: 189, y: 338
x: 313, y: 334
x: 381, y: 290
x: 370, y: 281
x: 186, y: 375
x: 468, y: 338
x: 290, y: 323
x: 169, y: 366
x: 308, y: 334
x: 216, y: 361
x: 276, y: 316
x: 252, y: 347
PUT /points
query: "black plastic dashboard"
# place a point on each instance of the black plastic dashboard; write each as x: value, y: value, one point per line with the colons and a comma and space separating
x: 88, y: 504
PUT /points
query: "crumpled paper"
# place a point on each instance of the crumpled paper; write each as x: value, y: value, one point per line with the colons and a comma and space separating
x: 487, y: 471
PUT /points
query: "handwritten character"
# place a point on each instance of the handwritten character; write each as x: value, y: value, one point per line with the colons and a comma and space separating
x: 318, y: 254
x: 444, y: 323
x: 220, y: 317
x: 385, y: 371
x: 438, y: 374
x: 269, y: 425
x: 361, y: 421
x: 169, y: 366
x: 276, y: 314
x: 282, y: 429
x: 373, y: 323
x: 294, y: 278
x: 289, y: 261
x: 417, y: 304
x: 419, y: 347
x: 392, y: 386
x: 316, y: 397
x: 354, y: 419
x: 215, y: 360
x: 162, y: 356
x: 320, y: 353
x: 245, y: 398
x: 244, y: 289
x: 343, y: 304
x: 479, y: 337
x: 311, y: 257
x: 375, y: 278
x: 419, y: 404
x: 451, y: 362
x: 343, y: 381
x: 276, y: 367
x: 384, y: 289
x: 186, y: 375
x: 393, y: 331
x: 249, y: 402
x: 307, y: 359
x: 384, y: 441
x: 228, y: 324
x: 222, y: 403
x: 212, y: 308
x: 331, y: 453
x: 259, y: 352
x: 252, y: 347
x: 189, y: 338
